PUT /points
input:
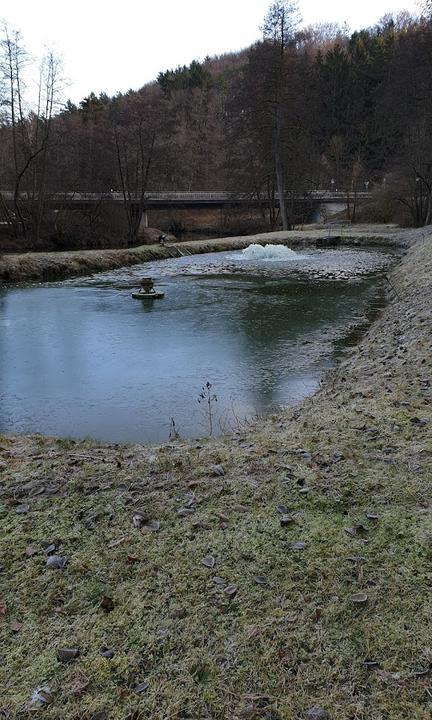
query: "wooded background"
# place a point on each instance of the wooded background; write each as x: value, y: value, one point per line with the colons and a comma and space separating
x: 299, y: 111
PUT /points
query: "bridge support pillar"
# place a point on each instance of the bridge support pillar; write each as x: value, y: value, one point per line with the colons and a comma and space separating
x: 144, y: 221
x: 316, y: 215
x: 329, y: 209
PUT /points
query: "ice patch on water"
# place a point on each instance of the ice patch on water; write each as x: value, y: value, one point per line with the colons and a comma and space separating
x: 269, y: 252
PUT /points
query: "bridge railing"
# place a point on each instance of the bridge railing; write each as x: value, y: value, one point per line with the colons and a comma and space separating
x: 191, y: 196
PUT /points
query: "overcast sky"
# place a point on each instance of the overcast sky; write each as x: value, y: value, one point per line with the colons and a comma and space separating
x: 109, y: 46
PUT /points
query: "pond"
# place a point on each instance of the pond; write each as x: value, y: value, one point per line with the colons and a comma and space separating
x: 82, y: 358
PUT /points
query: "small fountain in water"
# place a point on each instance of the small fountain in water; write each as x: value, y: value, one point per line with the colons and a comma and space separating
x: 269, y: 252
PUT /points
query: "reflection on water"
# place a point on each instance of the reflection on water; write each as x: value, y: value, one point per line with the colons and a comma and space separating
x: 82, y: 358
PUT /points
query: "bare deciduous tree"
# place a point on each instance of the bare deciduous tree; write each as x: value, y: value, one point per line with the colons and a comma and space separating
x: 30, y: 132
x: 279, y: 28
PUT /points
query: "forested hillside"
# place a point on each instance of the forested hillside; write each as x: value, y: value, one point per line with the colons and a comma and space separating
x: 301, y: 110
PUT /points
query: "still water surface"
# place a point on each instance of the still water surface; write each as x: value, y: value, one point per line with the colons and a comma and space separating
x: 82, y: 358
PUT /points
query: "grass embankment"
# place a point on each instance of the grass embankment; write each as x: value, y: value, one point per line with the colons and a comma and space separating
x: 288, y: 636
x: 42, y: 267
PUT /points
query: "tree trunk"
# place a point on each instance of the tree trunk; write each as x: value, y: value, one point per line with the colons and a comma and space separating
x: 428, y: 220
x: 280, y: 177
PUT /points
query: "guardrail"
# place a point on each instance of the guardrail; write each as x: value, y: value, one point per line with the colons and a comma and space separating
x: 187, y: 196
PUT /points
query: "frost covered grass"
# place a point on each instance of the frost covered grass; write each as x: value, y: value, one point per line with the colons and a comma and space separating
x: 351, y: 468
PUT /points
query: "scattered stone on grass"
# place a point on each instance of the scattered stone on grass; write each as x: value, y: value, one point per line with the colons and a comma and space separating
x: 219, y: 581
x: 49, y: 547
x: 65, y: 655
x: 56, y: 562
x: 140, y: 688
x: 303, y: 453
x: 217, y: 470
x: 106, y: 652
x: 419, y: 421
x: 208, y: 562
x: 359, y: 598
x: 22, y: 509
x: 297, y: 545
x: 150, y: 526
x: 316, y: 713
x: 230, y: 591
x: 261, y: 580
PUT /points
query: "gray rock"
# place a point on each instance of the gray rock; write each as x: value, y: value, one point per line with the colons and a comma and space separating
x: 209, y: 561
x: 22, y: 509
x: 65, y: 655
x: 140, y: 688
x: 56, y: 562
x: 217, y: 470
x: 316, y: 713
x: 151, y: 526
x: 231, y: 591
x: 106, y: 652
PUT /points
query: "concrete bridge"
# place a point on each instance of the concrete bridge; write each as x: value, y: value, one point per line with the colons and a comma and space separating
x: 315, y: 201
x: 167, y: 199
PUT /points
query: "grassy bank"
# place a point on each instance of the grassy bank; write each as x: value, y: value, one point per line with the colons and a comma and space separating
x: 318, y: 522
x: 41, y: 267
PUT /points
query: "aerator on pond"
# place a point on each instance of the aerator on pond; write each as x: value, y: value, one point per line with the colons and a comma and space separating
x: 147, y: 291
